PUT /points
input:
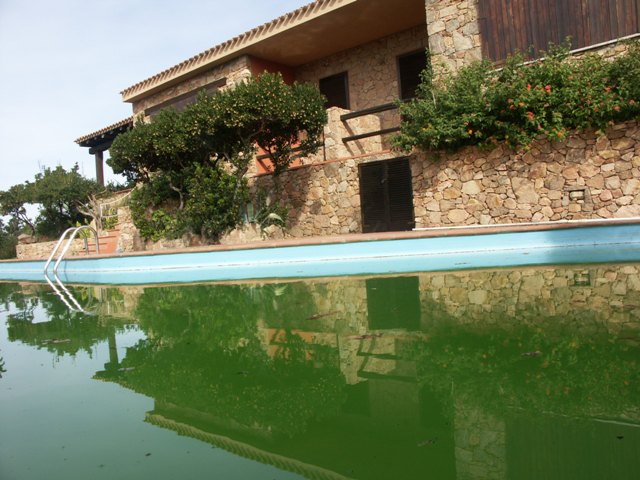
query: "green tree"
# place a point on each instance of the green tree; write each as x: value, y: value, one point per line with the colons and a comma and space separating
x: 8, y: 238
x: 192, y: 164
x: 12, y: 203
x: 58, y: 193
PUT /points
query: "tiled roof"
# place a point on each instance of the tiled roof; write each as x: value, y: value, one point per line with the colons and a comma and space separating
x: 105, y: 131
x: 252, y: 36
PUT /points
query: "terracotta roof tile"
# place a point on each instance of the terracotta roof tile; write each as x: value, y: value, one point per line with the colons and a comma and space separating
x: 103, y: 131
x: 218, y: 51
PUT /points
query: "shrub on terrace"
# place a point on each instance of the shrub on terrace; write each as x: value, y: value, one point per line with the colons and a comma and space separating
x: 192, y: 164
x: 480, y: 105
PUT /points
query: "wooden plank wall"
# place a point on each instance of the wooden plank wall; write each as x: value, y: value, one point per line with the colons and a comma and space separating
x: 528, y: 26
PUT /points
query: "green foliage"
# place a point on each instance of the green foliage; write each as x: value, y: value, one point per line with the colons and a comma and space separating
x: 275, y: 116
x: 58, y: 192
x: 215, y: 200
x: 203, y: 153
x: 269, y: 213
x: 12, y: 204
x: 483, y: 106
x: 8, y: 238
x: 149, y: 206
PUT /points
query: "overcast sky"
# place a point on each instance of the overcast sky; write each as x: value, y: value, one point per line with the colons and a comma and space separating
x: 64, y: 63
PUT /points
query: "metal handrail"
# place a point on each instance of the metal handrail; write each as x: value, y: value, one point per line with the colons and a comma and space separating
x: 68, y: 244
x: 74, y: 231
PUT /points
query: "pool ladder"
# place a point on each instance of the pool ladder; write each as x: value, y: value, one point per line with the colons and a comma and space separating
x: 63, y: 292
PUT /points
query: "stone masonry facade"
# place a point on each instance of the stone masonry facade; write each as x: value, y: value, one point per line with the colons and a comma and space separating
x: 454, y: 32
x: 584, y: 177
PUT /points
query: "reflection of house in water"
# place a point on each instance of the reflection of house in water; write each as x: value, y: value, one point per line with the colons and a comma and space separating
x: 423, y: 375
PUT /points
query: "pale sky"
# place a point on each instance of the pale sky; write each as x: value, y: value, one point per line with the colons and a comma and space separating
x: 64, y: 63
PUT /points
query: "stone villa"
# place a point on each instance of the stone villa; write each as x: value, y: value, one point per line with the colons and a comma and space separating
x: 366, y: 54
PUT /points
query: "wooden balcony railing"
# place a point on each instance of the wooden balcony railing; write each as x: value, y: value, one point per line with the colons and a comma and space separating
x: 369, y: 111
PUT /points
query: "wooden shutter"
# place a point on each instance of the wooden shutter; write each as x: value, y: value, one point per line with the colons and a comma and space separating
x: 386, y: 196
x: 400, y: 194
x: 372, y: 197
x: 530, y: 25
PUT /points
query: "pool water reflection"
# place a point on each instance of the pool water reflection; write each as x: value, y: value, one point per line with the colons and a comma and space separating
x: 528, y: 373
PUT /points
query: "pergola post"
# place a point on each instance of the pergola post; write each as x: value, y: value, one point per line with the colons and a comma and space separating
x: 100, y: 141
x: 99, y: 154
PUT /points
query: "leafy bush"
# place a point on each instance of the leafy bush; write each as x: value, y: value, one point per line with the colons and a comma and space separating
x: 483, y: 106
x: 151, y: 207
x: 199, y: 157
x: 215, y: 201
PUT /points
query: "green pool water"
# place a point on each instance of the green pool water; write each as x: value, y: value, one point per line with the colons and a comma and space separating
x: 506, y: 374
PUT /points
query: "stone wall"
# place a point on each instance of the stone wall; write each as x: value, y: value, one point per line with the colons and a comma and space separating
x: 234, y: 71
x: 454, y: 32
x: 585, y: 176
x: 323, y: 199
x: 586, y: 301
x: 42, y: 250
x: 480, y: 443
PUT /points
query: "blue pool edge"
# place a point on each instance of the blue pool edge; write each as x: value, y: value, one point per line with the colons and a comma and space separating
x: 455, y: 248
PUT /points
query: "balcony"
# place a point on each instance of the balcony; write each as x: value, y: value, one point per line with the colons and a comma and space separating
x: 348, y: 135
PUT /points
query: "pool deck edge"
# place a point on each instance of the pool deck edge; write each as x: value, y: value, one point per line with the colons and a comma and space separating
x: 367, y: 237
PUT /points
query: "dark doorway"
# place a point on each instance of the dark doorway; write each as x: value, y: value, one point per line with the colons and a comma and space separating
x: 386, y: 196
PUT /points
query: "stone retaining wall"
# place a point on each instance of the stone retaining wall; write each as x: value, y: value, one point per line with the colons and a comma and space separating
x: 42, y: 250
x: 583, y: 177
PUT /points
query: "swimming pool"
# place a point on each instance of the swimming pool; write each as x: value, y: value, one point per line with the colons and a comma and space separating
x: 527, y: 372
x: 502, y: 355
x: 429, y: 250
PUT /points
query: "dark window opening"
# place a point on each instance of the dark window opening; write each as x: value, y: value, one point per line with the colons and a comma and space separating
x: 410, y: 68
x: 336, y: 89
x: 386, y: 196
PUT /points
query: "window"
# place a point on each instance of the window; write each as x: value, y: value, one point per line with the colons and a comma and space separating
x: 410, y: 68
x: 336, y: 89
